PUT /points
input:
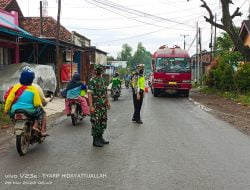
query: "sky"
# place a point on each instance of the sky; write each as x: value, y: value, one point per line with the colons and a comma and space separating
x: 151, y: 22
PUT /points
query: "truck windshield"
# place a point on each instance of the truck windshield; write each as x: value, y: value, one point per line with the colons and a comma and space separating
x: 173, y: 65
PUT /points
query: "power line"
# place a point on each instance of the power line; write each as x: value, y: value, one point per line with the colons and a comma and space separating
x: 128, y: 16
x: 117, y: 28
x: 132, y: 11
x: 243, y: 4
x: 131, y: 37
x: 118, y: 18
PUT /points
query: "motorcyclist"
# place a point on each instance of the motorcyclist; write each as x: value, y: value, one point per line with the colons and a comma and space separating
x: 26, y: 96
x: 116, y: 82
x: 73, y: 91
x: 127, y: 81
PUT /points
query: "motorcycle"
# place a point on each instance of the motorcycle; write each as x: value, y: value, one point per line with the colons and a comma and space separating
x: 115, y: 93
x: 75, y: 111
x: 127, y: 83
x: 23, y: 129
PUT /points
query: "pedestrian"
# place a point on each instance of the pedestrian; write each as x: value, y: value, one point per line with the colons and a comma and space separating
x: 139, y: 94
x: 98, y: 105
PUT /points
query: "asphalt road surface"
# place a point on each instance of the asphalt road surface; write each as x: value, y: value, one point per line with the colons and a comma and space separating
x: 179, y: 146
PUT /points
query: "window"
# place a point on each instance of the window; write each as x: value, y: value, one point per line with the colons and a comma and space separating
x: 173, y: 65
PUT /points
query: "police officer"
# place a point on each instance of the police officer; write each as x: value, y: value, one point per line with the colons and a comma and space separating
x: 134, y: 79
x: 139, y: 88
x: 98, y: 105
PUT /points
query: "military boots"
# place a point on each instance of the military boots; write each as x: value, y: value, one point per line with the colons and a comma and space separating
x: 103, y: 141
x: 97, y: 142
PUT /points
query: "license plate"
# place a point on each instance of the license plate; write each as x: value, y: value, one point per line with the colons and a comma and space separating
x: 172, y: 83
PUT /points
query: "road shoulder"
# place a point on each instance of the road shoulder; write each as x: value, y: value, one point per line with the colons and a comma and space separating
x: 224, y: 109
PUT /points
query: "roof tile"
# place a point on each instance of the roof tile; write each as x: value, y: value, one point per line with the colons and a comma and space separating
x: 4, y: 3
x: 32, y: 25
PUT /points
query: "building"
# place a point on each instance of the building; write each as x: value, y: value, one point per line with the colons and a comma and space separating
x: 12, y: 36
x: 25, y: 41
x: 200, y: 64
x: 245, y: 32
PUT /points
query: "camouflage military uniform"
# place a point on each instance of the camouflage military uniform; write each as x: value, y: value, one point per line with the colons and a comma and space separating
x: 99, y: 118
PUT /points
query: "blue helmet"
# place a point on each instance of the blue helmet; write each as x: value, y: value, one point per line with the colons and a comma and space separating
x: 27, y: 76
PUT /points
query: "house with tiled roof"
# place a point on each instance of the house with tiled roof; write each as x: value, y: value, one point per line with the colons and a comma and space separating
x: 11, y: 5
x: 74, y: 48
x: 48, y: 30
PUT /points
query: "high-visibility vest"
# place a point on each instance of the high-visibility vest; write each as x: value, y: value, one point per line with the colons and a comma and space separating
x: 141, y: 83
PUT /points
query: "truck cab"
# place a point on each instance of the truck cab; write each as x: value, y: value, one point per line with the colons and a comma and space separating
x: 171, y: 71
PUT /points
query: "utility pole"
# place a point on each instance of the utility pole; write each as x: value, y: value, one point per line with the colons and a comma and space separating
x: 211, y: 42
x: 197, y: 65
x: 58, y: 64
x: 184, y: 35
x: 41, y: 19
x: 28, y: 7
x: 201, y: 65
x: 215, y: 17
x: 249, y: 10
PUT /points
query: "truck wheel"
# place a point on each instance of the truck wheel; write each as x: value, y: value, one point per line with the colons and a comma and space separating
x: 186, y: 93
x: 156, y: 92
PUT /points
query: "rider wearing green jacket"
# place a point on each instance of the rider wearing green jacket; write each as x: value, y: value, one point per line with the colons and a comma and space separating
x: 116, y: 82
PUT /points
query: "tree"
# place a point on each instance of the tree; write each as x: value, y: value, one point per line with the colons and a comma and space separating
x: 223, y: 43
x: 125, y: 54
x: 142, y: 56
x: 111, y: 58
x: 228, y: 25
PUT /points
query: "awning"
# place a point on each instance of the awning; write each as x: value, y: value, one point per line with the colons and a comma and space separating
x: 25, y: 36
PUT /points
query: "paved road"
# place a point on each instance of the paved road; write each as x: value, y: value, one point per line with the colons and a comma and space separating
x: 179, y: 146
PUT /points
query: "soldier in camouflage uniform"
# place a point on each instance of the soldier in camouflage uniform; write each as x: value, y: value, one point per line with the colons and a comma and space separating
x: 98, y: 105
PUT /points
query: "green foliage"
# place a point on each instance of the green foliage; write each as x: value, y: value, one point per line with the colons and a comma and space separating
x: 142, y: 56
x: 232, y: 58
x: 123, y: 72
x: 224, y: 43
x: 242, y: 78
x: 228, y: 75
x: 3, y: 118
x: 110, y: 58
x: 125, y: 54
x: 221, y: 78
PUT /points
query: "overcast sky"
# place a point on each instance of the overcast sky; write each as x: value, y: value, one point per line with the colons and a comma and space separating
x: 108, y: 27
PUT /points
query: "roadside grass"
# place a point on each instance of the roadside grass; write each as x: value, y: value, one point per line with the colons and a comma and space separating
x: 4, y: 119
x: 239, y: 98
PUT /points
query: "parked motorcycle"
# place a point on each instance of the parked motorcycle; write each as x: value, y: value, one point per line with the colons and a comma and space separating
x: 75, y: 111
x: 115, y: 93
x: 23, y: 129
